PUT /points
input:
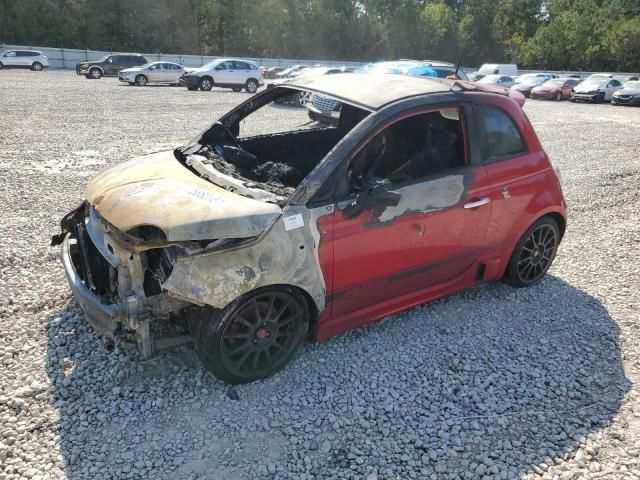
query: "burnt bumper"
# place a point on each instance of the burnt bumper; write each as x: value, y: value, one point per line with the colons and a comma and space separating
x: 105, y: 319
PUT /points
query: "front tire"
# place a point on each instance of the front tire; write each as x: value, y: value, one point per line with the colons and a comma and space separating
x: 534, y: 253
x: 251, y: 86
x: 558, y: 96
x: 95, y: 74
x: 36, y: 67
x: 254, y: 336
x: 206, y: 84
x: 141, y: 80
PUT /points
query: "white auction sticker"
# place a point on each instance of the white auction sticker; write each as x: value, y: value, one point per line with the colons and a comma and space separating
x: 293, y: 222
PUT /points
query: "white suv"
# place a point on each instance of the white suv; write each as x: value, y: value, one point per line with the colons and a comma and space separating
x: 24, y: 59
x: 225, y: 73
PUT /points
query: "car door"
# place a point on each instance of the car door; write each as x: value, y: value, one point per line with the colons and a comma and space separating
x: 10, y: 59
x: 156, y: 73
x: 223, y: 73
x: 110, y: 66
x: 516, y: 167
x: 23, y: 59
x: 415, y: 216
x: 612, y: 86
x: 174, y: 73
x: 243, y: 72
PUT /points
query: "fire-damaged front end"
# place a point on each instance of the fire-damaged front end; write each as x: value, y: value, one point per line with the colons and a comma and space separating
x: 153, y: 245
x: 117, y: 280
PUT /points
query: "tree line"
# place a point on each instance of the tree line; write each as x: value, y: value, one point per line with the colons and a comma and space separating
x: 547, y: 34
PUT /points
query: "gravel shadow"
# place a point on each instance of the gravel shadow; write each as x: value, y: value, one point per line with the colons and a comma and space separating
x: 494, y: 382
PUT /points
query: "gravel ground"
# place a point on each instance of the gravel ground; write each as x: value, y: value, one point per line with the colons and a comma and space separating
x: 492, y: 383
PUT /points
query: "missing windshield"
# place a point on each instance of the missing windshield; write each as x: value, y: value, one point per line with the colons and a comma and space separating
x: 268, y: 145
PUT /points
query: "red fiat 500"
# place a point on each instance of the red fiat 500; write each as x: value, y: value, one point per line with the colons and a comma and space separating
x: 248, y: 242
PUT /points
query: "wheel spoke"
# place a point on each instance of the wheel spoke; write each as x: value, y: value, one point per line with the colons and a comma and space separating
x: 281, y: 311
x: 272, y: 299
x: 267, y: 353
x: 288, y: 320
x: 244, y: 322
x: 240, y: 363
x: 254, y: 363
x: 256, y: 310
x: 239, y: 349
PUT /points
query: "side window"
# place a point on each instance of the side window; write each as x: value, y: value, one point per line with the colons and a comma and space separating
x: 410, y: 149
x: 111, y: 60
x: 10, y: 54
x: 501, y: 137
x: 615, y: 83
x: 241, y: 66
x: 23, y: 54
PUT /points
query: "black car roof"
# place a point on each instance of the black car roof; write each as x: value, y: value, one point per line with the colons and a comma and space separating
x: 371, y: 91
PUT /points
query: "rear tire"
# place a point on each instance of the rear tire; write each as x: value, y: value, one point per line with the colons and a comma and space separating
x: 1, y: 66
x: 534, y: 253
x: 141, y: 80
x: 253, y: 337
x: 251, y: 86
x: 36, y: 67
x: 206, y: 84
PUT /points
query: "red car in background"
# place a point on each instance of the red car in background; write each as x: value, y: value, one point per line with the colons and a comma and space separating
x: 249, y: 243
x: 556, y: 89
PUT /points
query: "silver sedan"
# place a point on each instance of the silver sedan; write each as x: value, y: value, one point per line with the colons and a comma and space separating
x: 154, y: 72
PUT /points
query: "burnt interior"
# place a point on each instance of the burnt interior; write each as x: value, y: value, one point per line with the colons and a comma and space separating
x: 279, y: 161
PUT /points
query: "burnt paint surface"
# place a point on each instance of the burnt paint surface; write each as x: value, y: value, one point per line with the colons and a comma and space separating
x: 279, y: 257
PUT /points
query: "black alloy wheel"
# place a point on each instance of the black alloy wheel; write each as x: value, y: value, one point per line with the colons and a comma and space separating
x: 534, y: 253
x: 255, y: 336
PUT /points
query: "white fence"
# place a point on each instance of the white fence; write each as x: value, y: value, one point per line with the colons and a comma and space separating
x: 68, y: 58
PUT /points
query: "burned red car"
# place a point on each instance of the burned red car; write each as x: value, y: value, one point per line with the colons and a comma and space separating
x: 555, y: 89
x: 248, y: 241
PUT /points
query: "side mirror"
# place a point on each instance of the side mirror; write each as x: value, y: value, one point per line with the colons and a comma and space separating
x: 376, y: 195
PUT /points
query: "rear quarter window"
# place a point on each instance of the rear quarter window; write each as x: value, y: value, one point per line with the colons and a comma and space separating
x: 500, y: 136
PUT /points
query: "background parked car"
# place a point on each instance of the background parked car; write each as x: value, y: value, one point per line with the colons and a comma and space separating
x: 24, y: 59
x: 154, y: 72
x: 289, y: 72
x: 109, y: 65
x: 628, y: 95
x: 446, y: 70
x: 555, y: 89
x: 525, y: 83
x: 271, y: 72
x: 413, y: 68
x: 596, y: 88
x: 225, y: 73
x: 301, y: 99
x: 509, y: 69
x: 500, y: 80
